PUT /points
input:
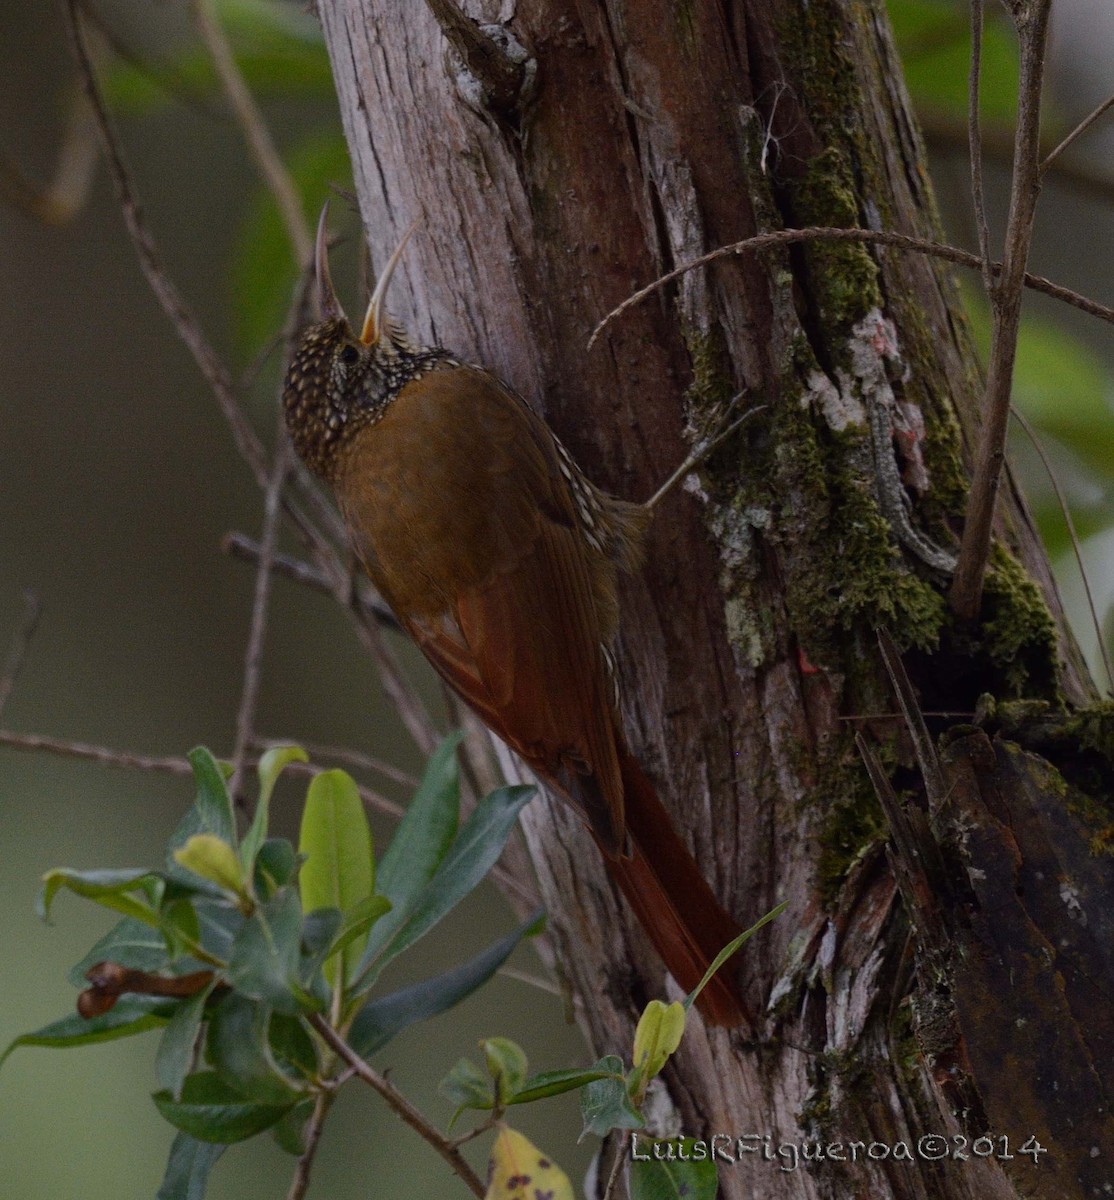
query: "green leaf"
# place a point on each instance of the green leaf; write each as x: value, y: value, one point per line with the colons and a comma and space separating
x: 211, y: 812
x: 180, y: 927
x: 275, y: 864
x: 354, y: 927
x: 219, y: 923
x: 659, y: 1033
x: 467, y: 1087
x: 605, y: 1104
x: 380, y: 1020
x: 688, y: 1175
x: 554, y: 1083
x: 292, y: 1046
x: 112, y: 889
x: 212, y: 858
x: 129, y: 1016
x: 506, y: 1064
x: 290, y: 1132
x: 474, y: 851
x: 211, y: 1111
x: 187, y: 1169
x: 339, y: 871
x: 239, y: 1049
x: 179, y: 1039
x: 424, y: 834
x: 731, y: 948
x: 271, y: 766
x: 266, y: 955
x: 131, y: 943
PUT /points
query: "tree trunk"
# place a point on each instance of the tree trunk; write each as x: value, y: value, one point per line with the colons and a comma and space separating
x: 651, y: 134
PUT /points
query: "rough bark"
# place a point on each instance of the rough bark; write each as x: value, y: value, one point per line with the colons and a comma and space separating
x: 653, y: 133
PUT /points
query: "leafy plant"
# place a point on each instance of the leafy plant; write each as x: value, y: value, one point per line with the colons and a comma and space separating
x: 252, y: 957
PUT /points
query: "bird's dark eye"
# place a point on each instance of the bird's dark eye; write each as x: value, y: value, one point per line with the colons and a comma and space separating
x: 349, y: 355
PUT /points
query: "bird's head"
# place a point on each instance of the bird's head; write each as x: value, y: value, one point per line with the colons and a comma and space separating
x: 339, y: 381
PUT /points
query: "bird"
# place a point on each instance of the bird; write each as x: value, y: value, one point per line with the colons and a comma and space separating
x: 501, y: 559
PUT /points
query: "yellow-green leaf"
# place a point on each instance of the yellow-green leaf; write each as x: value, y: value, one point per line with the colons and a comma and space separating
x: 213, y: 858
x: 659, y: 1033
x: 339, y: 871
x: 519, y: 1168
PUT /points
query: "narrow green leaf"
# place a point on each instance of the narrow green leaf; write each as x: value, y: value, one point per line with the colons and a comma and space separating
x: 355, y: 926
x: 213, y: 803
x: 129, y: 1016
x: 292, y: 1047
x: 112, y: 889
x: 239, y: 1049
x: 672, y: 1169
x: 179, y: 1039
x: 214, y: 859
x: 554, y: 1083
x: 339, y: 871
x: 659, y: 1033
x: 730, y: 949
x: 271, y: 766
x: 506, y: 1064
x: 474, y: 851
x: 381, y: 1019
x: 605, y: 1104
x: 211, y: 1111
x: 180, y: 927
x: 187, y: 1169
x: 424, y: 834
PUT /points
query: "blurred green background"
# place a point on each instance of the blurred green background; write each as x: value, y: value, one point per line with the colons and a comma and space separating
x: 118, y: 481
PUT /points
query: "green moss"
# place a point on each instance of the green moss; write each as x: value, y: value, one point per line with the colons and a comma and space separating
x: 853, y: 821
x: 1017, y: 633
x: 843, y: 278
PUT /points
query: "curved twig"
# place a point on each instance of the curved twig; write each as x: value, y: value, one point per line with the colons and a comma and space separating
x: 875, y: 237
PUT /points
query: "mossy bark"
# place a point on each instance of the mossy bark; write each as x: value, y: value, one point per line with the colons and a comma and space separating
x: 656, y: 132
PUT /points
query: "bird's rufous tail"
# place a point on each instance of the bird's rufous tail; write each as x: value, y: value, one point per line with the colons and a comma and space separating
x: 673, y: 902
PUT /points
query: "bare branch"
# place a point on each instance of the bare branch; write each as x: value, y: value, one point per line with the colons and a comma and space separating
x: 400, y: 1104
x: 965, y: 595
x: 873, y: 237
x: 253, y: 656
x: 167, y: 765
x: 1076, y: 133
x: 974, y: 141
x: 299, y: 1185
x: 256, y: 132
x: 617, y: 1165
x: 1065, y: 509
x: 21, y: 641
x: 343, y: 755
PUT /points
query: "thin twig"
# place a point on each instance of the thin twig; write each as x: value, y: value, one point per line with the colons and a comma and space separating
x: 1076, y: 133
x: 185, y: 322
x: 253, y: 655
x: 400, y: 1104
x: 21, y: 641
x: 239, y: 545
x: 974, y: 141
x: 945, y: 133
x: 616, y: 1166
x: 256, y: 131
x: 299, y: 1185
x: 1077, y: 549
x: 965, y: 594
x: 105, y: 756
x: 877, y: 237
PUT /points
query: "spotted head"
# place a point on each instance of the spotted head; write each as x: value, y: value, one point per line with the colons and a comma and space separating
x: 338, y: 381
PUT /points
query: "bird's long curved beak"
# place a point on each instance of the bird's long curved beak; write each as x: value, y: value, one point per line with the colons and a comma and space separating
x: 373, y: 320
x: 328, y: 305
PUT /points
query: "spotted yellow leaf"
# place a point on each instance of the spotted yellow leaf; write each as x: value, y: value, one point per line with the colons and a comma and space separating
x: 520, y: 1171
